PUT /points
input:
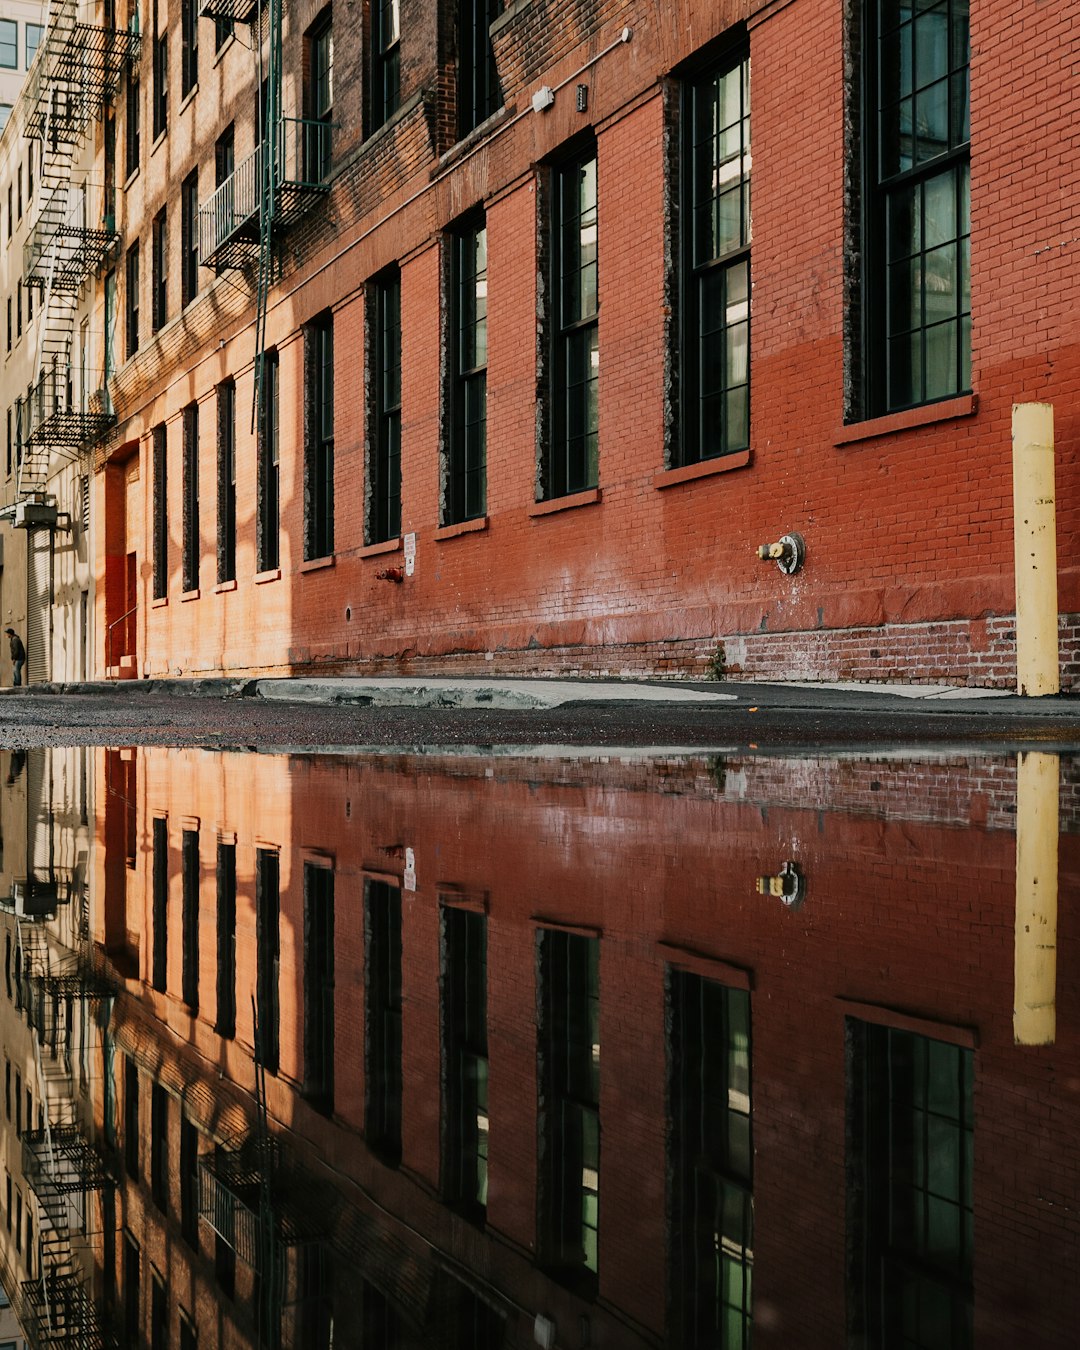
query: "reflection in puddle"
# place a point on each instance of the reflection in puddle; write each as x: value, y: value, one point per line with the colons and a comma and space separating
x: 312, y: 1051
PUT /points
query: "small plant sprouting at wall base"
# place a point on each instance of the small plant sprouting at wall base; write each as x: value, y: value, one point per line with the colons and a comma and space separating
x: 717, y: 667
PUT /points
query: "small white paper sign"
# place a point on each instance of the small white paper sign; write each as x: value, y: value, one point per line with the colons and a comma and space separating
x: 410, y: 870
x: 410, y: 554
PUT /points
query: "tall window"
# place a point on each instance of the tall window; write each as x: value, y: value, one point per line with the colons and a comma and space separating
x: 225, y: 1025
x: 189, y: 46
x: 569, y: 1077
x: 716, y: 253
x: 131, y: 280
x: 160, y: 273
x: 189, y: 237
x: 711, y: 1202
x: 226, y: 458
x: 131, y: 1116
x: 159, y: 1147
x: 191, y: 498
x: 225, y: 155
x: 34, y: 33
x: 466, y: 489
x: 913, y: 1137
x: 478, y: 91
x: 386, y: 60
x: 319, y: 986
x: 319, y: 98
x: 268, y: 522
x: 916, y: 253
x: 160, y: 74
x: 382, y: 992
x: 132, y: 1295
x: 161, y: 514
x: 576, y: 354
x: 384, y: 518
x: 319, y: 362
x: 189, y: 1182
x: 190, y: 881
x: 223, y: 31
x: 132, y: 120
x: 159, y: 973
x: 465, y: 1060
x: 267, y: 924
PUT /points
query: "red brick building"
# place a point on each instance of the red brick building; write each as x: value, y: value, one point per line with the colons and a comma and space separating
x: 495, y: 1000
x: 560, y: 310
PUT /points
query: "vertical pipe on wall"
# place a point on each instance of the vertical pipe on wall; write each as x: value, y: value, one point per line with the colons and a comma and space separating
x: 1035, y: 549
x: 1035, y: 949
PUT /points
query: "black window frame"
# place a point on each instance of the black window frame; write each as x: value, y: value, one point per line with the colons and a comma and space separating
x: 160, y: 442
x: 384, y: 463
x: 268, y: 531
x: 715, y: 249
x: 573, y: 458
x: 268, y: 956
x: 189, y: 46
x: 225, y: 1020
x: 132, y: 120
x: 189, y: 238
x: 383, y: 1020
x: 160, y: 80
x: 907, y: 206
x: 385, y: 60
x: 319, y: 96
x: 226, y: 462
x: 318, y: 1084
x: 568, y: 1116
x: 189, y: 1182
x: 319, y: 438
x: 465, y: 488
x: 191, y: 876
x: 159, y: 1147
x: 192, y: 543
x: 479, y: 94
x: 464, y: 1171
x: 131, y: 301
x: 159, y: 268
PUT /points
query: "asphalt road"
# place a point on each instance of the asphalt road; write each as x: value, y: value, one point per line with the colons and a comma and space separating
x: 760, y: 717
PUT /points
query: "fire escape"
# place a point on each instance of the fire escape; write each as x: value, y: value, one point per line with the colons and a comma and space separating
x: 61, y: 989
x: 67, y: 409
x: 285, y: 175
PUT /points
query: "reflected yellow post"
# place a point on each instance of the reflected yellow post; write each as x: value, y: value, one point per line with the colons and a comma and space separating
x: 1035, y: 549
x: 1035, y: 989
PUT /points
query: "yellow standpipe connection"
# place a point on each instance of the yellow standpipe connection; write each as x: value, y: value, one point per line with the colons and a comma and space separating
x: 1035, y: 951
x: 1035, y: 549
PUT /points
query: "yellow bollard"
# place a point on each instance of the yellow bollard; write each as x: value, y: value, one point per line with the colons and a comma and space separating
x: 1035, y: 549
x: 1035, y: 950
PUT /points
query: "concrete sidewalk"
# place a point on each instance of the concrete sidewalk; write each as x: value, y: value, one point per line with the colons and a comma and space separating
x: 503, y: 694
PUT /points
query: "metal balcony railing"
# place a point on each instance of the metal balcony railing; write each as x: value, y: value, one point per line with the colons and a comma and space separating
x: 229, y: 11
x: 229, y: 223
x: 61, y: 412
x: 71, y: 238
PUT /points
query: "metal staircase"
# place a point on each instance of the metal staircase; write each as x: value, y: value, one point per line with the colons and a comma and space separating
x: 75, y: 75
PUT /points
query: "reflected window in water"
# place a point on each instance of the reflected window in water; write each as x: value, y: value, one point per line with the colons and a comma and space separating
x: 382, y: 1068
x: 712, y: 1207
x: 319, y: 986
x: 914, y: 1136
x: 465, y: 1144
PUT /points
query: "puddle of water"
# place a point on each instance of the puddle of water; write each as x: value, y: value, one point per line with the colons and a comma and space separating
x: 310, y: 1051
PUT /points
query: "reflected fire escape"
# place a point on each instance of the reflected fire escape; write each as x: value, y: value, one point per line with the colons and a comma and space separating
x: 61, y: 990
x: 74, y: 76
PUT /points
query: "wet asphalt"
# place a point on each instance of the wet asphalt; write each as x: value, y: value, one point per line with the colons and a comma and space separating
x: 763, y: 718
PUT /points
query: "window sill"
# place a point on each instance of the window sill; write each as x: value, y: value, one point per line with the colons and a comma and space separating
x: 185, y: 596
x: 317, y: 564
x: 159, y: 139
x: 159, y: 602
x: 377, y: 550
x: 460, y: 528
x: 224, y: 586
x: 271, y: 574
x: 948, y: 409
x: 130, y: 178
x: 705, y: 468
x: 189, y: 97
x: 570, y: 503
x: 224, y: 47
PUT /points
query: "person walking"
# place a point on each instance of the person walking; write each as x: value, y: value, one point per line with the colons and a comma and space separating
x: 18, y: 656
